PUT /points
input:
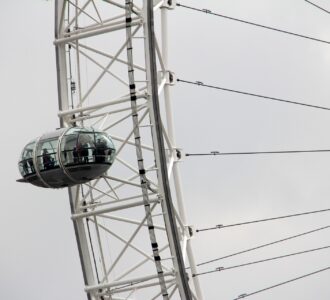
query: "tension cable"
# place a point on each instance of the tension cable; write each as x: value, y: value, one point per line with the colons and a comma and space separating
x: 199, y: 83
x: 220, y: 226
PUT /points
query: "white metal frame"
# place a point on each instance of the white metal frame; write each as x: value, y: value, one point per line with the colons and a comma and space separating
x: 132, y: 233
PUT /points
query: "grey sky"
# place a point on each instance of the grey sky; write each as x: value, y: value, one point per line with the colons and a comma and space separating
x: 39, y: 259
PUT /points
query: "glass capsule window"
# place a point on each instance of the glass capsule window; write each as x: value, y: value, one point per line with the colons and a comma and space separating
x: 26, y: 166
x: 47, y: 154
x: 69, y: 148
x: 86, y: 147
x: 105, y: 149
x: 82, y: 145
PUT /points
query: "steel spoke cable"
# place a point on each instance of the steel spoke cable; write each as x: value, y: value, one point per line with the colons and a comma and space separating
x: 293, y: 102
x: 265, y: 245
x: 220, y: 226
x: 220, y: 269
x: 217, y: 153
x: 317, y: 6
x: 281, y: 283
x: 209, y: 12
x: 199, y: 83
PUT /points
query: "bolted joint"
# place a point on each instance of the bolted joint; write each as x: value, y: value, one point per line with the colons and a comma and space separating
x: 190, y: 230
x: 170, y: 77
x: 67, y: 120
x: 169, y: 4
x: 178, y: 154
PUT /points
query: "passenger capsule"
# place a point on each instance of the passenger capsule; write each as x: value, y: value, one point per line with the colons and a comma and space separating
x: 66, y: 157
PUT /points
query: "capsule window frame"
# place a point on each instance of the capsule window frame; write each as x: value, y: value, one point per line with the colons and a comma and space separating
x: 47, y: 160
x: 27, y: 162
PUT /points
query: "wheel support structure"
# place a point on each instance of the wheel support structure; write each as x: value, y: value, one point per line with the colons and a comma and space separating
x: 133, y: 238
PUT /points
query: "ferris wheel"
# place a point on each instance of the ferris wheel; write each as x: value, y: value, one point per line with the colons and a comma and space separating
x: 127, y: 205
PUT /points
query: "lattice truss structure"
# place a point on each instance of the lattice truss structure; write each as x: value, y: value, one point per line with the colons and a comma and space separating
x: 132, y: 233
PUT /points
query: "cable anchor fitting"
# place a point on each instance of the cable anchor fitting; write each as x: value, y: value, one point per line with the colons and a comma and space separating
x: 169, y: 4
x: 178, y: 154
x: 190, y: 230
x: 170, y: 77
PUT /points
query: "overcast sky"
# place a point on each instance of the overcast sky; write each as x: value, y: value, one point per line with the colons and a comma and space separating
x: 39, y: 259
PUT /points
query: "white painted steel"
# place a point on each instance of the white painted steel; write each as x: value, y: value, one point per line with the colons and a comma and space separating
x: 131, y: 221
x: 122, y: 282
x: 161, y: 156
x: 111, y: 209
x: 103, y: 29
x: 171, y: 137
x: 120, y: 248
x: 169, y: 283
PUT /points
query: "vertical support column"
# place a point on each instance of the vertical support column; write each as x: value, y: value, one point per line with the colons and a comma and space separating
x: 62, y: 88
x: 164, y: 186
x: 171, y: 136
x: 63, y: 100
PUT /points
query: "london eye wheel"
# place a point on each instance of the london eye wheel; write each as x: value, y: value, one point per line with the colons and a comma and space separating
x: 113, y: 78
